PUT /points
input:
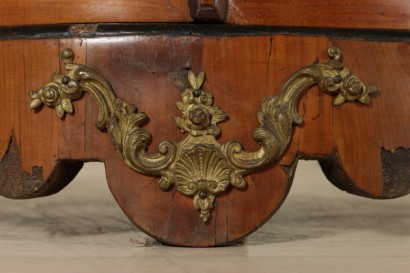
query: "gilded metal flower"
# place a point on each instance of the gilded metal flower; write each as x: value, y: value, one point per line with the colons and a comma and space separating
x: 338, y: 79
x: 199, y: 117
x: 352, y: 89
x: 59, y: 93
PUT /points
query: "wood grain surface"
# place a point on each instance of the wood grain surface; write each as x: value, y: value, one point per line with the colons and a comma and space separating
x: 43, y: 12
x: 364, y: 14
x: 240, y: 71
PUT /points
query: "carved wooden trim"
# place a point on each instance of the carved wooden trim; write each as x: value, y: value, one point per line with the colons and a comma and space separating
x: 208, y: 10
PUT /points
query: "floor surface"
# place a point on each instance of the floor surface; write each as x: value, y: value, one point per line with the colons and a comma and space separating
x: 318, y: 229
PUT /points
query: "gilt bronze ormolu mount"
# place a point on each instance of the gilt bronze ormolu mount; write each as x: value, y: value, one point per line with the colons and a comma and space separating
x: 199, y: 166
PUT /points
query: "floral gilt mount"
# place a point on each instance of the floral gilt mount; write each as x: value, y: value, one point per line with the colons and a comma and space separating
x: 199, y: 166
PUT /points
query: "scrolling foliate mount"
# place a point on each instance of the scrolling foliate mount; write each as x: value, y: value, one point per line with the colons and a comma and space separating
x: 199, y: 166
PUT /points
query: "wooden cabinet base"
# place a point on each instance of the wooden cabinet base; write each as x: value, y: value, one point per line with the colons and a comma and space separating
x: 363, y: 149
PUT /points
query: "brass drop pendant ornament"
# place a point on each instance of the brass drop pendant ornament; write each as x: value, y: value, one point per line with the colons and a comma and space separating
x: 199, y: 166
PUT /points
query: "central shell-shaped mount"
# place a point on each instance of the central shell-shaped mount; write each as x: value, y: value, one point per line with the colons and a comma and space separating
x: 202, y: 172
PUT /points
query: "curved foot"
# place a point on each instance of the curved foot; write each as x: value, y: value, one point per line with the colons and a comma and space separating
x: 15, y: 183
x: 395, y: 173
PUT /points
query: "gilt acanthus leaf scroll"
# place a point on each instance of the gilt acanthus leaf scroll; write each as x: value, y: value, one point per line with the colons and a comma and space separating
x: 199, y: 166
